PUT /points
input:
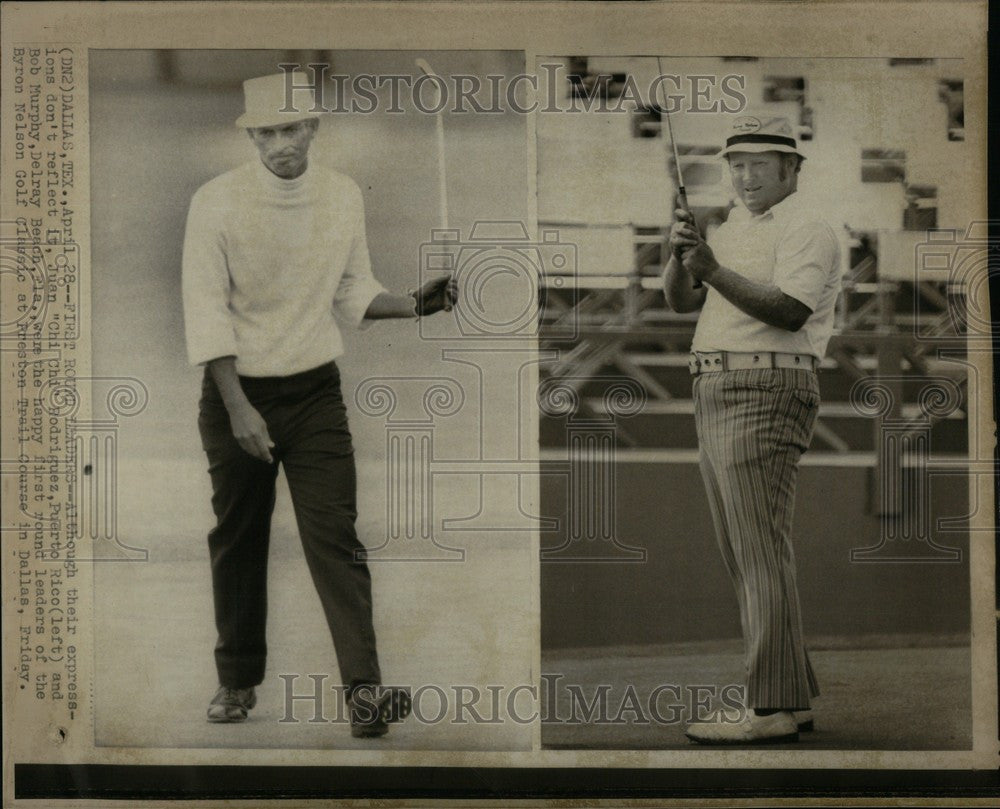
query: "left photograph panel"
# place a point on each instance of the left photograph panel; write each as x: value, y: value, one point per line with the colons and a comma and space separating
x: 314, y: 335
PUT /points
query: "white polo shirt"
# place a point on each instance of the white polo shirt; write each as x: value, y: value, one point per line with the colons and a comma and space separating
x: 268, y: 264
x: 789, y: 247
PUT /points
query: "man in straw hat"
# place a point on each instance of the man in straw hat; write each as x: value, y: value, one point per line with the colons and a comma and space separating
x: 770, y: 279
x: 274, y: 256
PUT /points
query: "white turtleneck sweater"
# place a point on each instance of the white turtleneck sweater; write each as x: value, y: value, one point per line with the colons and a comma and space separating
x: 267, y: 264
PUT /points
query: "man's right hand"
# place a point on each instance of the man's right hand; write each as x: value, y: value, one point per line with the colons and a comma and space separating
x: 683, y: 233
x: 684, y: 292
x: 250, y: 430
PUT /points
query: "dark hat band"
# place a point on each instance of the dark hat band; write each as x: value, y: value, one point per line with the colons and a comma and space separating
x: 779, y: 140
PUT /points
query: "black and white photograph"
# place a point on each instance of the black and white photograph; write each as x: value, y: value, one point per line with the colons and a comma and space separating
x: 441, y: 403
x: 765, y: 364
x: 306, y: 538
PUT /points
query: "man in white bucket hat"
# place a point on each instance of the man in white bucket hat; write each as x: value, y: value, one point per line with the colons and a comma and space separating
x: 275, y: 254
x: 770, y: 278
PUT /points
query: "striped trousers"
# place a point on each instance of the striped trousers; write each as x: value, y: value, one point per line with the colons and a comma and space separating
x: 753, y: 426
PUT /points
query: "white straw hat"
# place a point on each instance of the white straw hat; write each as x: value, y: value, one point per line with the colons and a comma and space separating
x: 271, y: 101
x: 750, y: 133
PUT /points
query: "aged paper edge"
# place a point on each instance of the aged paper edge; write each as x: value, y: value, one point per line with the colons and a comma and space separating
x: 818, y: 29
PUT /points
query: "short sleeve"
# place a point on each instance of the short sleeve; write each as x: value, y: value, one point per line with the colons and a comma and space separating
x: 205, y: 284
x: 806, y: 262
x: 358, y: 287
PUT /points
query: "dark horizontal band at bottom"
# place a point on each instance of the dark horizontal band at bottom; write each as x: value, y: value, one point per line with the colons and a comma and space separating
x: 114, y: 782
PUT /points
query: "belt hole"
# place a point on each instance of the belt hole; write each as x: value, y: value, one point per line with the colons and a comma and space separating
x: 756, y: 358
x: 717, y: 361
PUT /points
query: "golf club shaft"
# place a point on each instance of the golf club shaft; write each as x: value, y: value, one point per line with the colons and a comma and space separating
x: 682, y: 199
x: 427, y: 70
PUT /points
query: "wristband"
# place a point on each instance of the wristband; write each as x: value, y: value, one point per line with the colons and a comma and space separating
x: 416, y: 305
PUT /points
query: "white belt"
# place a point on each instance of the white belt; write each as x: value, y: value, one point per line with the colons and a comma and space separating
x: 707, y: 362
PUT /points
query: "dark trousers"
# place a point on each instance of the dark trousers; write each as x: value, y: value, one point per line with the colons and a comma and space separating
x: 307, y: 422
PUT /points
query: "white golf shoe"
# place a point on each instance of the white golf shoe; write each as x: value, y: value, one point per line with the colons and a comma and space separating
x: 776, y: 728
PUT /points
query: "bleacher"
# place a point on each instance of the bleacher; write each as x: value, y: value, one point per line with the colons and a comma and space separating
x: 886, y: 479
x: 606, y: 183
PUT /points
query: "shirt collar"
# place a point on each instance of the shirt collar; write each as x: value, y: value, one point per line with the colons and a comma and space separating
x: 777, y: 211
x: 279, y: 184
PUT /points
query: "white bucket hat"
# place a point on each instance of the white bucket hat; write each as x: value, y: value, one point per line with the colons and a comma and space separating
x: 268, y: 103
x: 750, y: 133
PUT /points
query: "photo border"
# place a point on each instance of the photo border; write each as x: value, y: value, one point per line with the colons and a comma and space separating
x: 952, y: 776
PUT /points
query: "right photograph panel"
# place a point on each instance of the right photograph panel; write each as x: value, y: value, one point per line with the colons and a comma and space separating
x: 754, y: 403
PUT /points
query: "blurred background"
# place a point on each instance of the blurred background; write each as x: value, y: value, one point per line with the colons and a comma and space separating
x: 631, y: 575
x: 162, y: 124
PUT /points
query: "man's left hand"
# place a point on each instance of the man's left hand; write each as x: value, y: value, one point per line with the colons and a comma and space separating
x: 699, y: 261
x: 440, y: 293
